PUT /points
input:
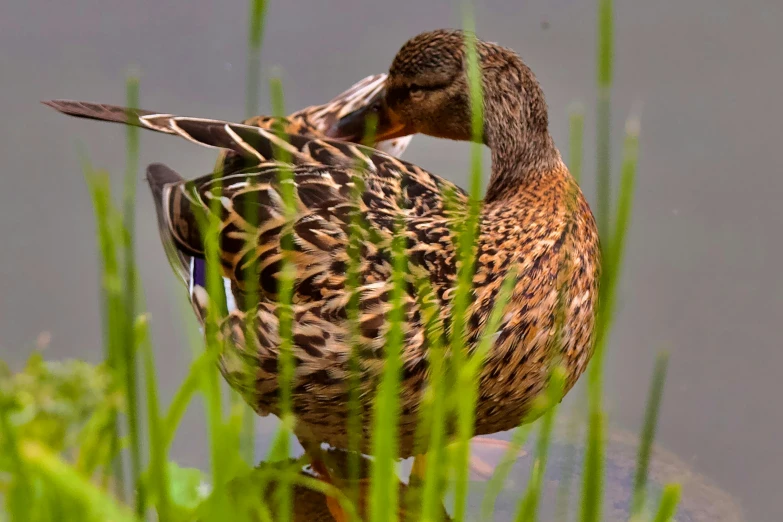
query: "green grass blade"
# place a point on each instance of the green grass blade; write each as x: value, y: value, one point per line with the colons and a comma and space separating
x: 576, y: 126
x: 384, y: 489
x: 100, y: 192
x: 528, y: 509
x: 592, y: 492
x: 215, y: 313
x: 285, y: 310
x: 605, y: 43
x: 596, y: 429
x: 203, y: 364
x: 466, y: 232
x: 563, y: 498
x: 466, y: 238
x: 255, y: 36
x: 222, y: 442
x: 210, y: 387
x: 603, y: 147
x: 98, y: 439
x: 129, y: 297
x: 625, y: 196
x: 224, y: 437
x: 107, y: 230
x: 18, y: 495
x: 287, y: 275
x: 434, y: 406
x: 467, y: 383
x: 158, y: 472
x: 354, y: 426
x: 358, y: 231
x: 648, y: 435
x: 613, y: 255
x: 668, y: 504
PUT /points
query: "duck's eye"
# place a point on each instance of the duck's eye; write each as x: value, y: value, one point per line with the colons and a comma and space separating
x: 416, y: 92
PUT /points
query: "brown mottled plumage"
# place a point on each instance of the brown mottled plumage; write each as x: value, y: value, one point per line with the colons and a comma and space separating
x: 317, y: 119
x: 534, y: 220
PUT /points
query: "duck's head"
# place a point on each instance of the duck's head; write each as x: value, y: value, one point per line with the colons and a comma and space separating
x: 427, y: 91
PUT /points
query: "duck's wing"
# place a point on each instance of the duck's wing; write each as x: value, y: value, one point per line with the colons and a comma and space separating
x: 331, y: 180
x: 312, y: 121
x: 249, y: 208
x: 387, y: 196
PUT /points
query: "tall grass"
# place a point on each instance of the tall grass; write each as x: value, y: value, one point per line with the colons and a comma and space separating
x: 38, y: 476
x: 466, y: 236
x: 129, y: 344
x: 255, y: 37
x: 384, y: 492
x: 281, y: 447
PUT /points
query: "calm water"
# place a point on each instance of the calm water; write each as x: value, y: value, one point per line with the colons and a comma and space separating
x: 702, y: 278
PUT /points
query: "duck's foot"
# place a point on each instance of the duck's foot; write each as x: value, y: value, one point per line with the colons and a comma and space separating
x: 323, y: 473
x: 483, y: 469
x: 419, y: 468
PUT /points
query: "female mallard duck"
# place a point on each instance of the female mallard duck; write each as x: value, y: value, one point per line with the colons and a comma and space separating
x: 534, y: 220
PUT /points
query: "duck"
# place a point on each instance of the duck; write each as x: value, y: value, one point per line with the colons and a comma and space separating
x: 534, y: 225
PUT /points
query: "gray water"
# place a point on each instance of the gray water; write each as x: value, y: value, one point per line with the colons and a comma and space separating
x: 702, y: 278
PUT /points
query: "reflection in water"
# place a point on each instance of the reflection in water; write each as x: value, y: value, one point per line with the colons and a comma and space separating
x: 701, y: 500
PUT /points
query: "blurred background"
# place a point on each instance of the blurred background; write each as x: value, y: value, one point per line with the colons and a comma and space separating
x: 702, y: 277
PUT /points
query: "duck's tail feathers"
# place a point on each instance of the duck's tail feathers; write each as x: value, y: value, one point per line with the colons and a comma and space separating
x: 187, y: 263
x: 247, y: 141
x: 113, y: 113
x: 161, y: 180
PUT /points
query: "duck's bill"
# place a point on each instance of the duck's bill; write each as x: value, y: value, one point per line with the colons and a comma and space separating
x: 371, y: 122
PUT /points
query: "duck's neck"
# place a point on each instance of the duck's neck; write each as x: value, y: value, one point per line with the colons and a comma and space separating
x: 517, y: 132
